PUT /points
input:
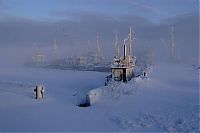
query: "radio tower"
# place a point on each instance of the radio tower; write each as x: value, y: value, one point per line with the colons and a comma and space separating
x: 98, y: 47
x: 99, y: 57
x: 172, y: 42
x: 55, y: 48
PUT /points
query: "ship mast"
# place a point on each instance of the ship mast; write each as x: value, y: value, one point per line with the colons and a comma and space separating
x: 130, y: 41
x: 116, y: 44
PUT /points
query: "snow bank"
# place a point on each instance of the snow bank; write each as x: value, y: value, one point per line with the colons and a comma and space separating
x: 112, y: 90
x: 94, y: 95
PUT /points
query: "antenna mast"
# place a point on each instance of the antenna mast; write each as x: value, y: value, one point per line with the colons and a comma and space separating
x: 130, y: 41
x: 172, y: 41
x: 55, y: 46
x: 98, y: 47
x: 116, y: 44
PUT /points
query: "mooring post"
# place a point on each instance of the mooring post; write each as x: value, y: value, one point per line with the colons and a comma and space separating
x: 39, y: 92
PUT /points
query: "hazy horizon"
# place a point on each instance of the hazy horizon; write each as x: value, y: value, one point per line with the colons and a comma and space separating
x: 75, y: 24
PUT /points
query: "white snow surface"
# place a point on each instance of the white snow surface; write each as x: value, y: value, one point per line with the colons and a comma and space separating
x: 167, y: 101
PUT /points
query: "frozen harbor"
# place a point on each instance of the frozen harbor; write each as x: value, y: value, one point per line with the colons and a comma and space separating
x: 167, y: 101
x: 99, y: 66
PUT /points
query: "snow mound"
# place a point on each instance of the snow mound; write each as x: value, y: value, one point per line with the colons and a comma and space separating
x: 113, y: 90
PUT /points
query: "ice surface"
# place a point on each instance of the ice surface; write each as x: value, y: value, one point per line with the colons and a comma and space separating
x: 167, y: 101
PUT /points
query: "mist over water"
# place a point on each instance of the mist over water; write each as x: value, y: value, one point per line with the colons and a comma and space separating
x: 21, y: 36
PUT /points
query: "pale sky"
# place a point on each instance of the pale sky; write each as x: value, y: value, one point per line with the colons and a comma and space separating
x: 154, y: 10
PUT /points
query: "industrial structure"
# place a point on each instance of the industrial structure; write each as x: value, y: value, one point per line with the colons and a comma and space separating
x: 90, y: 59
x: 55, y: 49
x: 122, y: 67
x: 172, y: 42
x: 38, y: 58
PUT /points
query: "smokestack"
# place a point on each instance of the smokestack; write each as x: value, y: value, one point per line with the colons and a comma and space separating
x: 124, y: 51
x: 125, y: 47
x: 117, y: 51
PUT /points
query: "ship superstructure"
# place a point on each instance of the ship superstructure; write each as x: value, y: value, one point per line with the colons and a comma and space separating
x: 123, y: 67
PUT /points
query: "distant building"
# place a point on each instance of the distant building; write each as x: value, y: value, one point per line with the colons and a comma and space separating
x: 90, y: 59
x: 81, y: 60
x: 38, y: 58
x: 70, y: 61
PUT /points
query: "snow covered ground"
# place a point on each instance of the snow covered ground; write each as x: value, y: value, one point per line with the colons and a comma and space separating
x: 167, y: 101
